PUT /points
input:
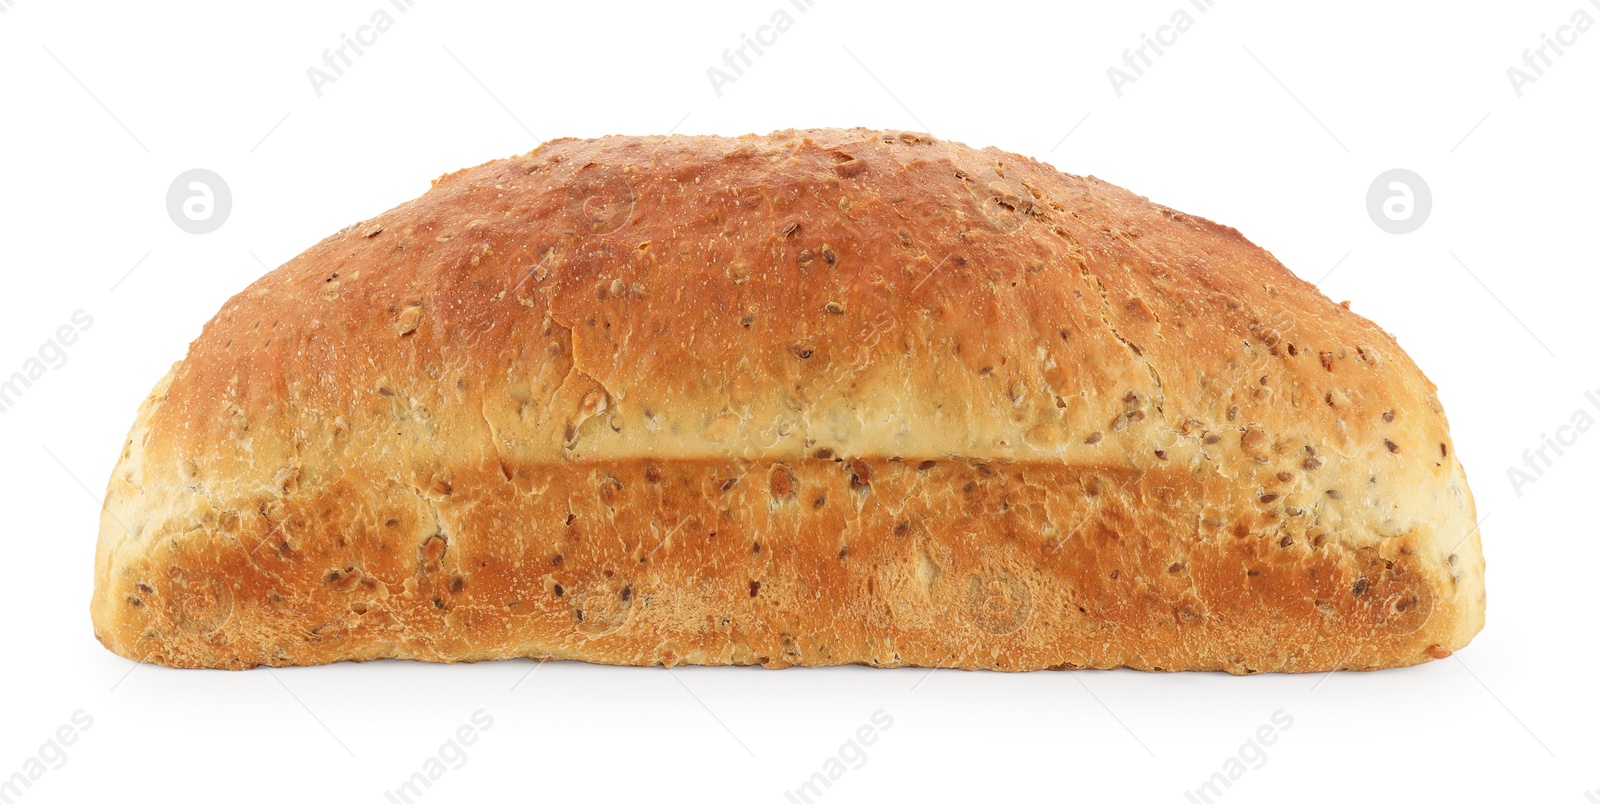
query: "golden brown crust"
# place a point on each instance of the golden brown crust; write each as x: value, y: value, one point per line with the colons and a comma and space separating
x: 818, y: 397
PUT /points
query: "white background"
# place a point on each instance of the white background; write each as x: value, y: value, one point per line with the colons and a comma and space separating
x: 1270, y: 117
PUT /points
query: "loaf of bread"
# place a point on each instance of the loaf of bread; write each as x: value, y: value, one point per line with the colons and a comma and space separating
x: 811, y: 398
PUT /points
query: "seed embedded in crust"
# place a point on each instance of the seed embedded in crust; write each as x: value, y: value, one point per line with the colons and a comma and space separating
x: 860, y: 476
x: 850, y: 168
x: 755, y: 586
x: 782, y: 484
x: 1393, y: 447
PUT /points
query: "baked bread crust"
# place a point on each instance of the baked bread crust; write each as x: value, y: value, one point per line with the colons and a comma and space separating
x: 811, y: 398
